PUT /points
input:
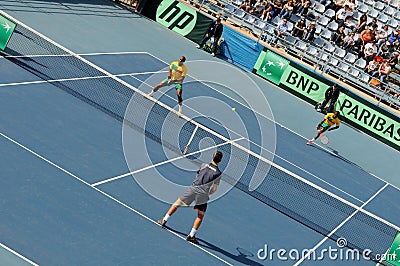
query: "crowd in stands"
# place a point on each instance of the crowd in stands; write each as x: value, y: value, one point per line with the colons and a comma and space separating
x: 340, y: 22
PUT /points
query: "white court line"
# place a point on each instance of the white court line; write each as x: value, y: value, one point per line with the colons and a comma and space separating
x: 75, y: 79
x: 18, y: 255
x: 339, y: 226
x: 108, y: 196
x: 162, y: 163
x: 276, y: 155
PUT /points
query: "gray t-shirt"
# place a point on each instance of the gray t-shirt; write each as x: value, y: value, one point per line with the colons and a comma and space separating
x: 206, y: 176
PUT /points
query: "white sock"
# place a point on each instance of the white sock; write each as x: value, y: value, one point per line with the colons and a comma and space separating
x: 166, y: 216
x: 151, y: 93
x: 180, y: 107
x: 192, y: 232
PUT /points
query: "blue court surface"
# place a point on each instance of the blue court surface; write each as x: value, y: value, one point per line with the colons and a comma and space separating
x: 74, y: 178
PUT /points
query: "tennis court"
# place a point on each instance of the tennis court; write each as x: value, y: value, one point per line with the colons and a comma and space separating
x: 85, y: 152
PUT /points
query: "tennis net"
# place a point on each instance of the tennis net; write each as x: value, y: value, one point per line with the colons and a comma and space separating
x: 287, y: 192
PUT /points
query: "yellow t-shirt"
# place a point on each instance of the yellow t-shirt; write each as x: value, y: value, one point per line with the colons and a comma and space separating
x: 329, y: 120
x: 177, y: 71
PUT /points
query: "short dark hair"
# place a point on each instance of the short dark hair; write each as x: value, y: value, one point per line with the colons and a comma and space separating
x: 218, y: 20
x: 217, y: 157
x: 183, y: 58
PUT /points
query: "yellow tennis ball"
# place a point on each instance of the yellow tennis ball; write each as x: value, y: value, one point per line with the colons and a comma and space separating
x: 233, y: 109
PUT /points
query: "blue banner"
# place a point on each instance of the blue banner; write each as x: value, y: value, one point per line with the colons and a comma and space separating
x: 240, y: 50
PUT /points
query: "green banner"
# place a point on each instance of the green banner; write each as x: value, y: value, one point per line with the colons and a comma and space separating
x: 393, y: 255
x: 182, y: 19
x: 6, y: 30
x: 176, y: 16
x: 311, y: 87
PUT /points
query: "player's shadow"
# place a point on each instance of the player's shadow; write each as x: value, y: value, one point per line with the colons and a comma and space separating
x: 335, y: 154
x: 242, y: 256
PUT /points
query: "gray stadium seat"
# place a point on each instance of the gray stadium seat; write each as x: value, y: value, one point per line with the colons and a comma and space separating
x: 302, y: 46
x: 290, y: 26
x: 333, y: 26
x: 276, y: 21
x: 343, y: 67
x: 312, y: 51
x: 354, y: 72
x: 318, y: 29
x: 237, y: 2
x: 294, y: 18
x: 389, y: 11
x: 373, y: 13
x: 239, y: 13
x: 333, y: 61
x: 340, y: 53
x: 329, y: 13
x: 259, y: 24
x: 356, y: 15
x: 397, y: 15
x: 319, y: 8
x: 350, y: 58
x: 290, y: 40
x: 322, y: 56
x: 369, y: 2
x: 363, y: 8
x: 323, y: 21
x: 394, y: 23
x: 329, y: 47
x: 383, y: 18
x: 364, y: 77
x: 319, y: 42
x: 326, y: 34
x: 360, y: 63
x: 394, y: 3
x: 379, y: 6
x: 249, y: 18
x: 229, y: 8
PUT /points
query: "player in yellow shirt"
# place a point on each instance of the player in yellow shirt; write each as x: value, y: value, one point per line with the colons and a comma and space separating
x: 176, y: 75
x: 329, y: 120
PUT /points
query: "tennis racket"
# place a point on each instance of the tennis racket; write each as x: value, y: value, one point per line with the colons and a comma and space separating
x: 324, y: 139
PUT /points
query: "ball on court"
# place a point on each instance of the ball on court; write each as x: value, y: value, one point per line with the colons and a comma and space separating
x: 233, y: 109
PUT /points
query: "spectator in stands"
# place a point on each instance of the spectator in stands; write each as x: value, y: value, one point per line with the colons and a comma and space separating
x: 384, y: 50
x: 394, y: 60
x: 349, y: 23
x: 342, y: 14
x: 287, y: 10
x: 137, y: 7
x: 351, y: 4
x: 348, y: 41
x: 337, y: 5
x: 370, y: 51
x: 303, y: 8
x: 310, y: 32
x: 247, y: 5
x: 366, y: 36
x: 394, y: 38
x: 383, y: 71
x: 299, y: 28
x: 272, y: 11
x: 281, y: 30
x: 372, y: 66
x: 259, y: 8
x: 362, y: 23
x: 381, y: 35
x: 332, y: 95
x: 373, y: 25
x: 338, y: 37
x: 215, y: 29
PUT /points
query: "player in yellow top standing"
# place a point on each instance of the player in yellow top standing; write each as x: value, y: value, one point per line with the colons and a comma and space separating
x: 177, y: 73
x: 329, y: 120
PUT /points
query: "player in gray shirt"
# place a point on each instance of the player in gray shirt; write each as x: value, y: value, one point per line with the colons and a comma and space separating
x: 206, y: 183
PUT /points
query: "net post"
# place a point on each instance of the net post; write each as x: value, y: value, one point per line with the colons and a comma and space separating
x: 190, y: 140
